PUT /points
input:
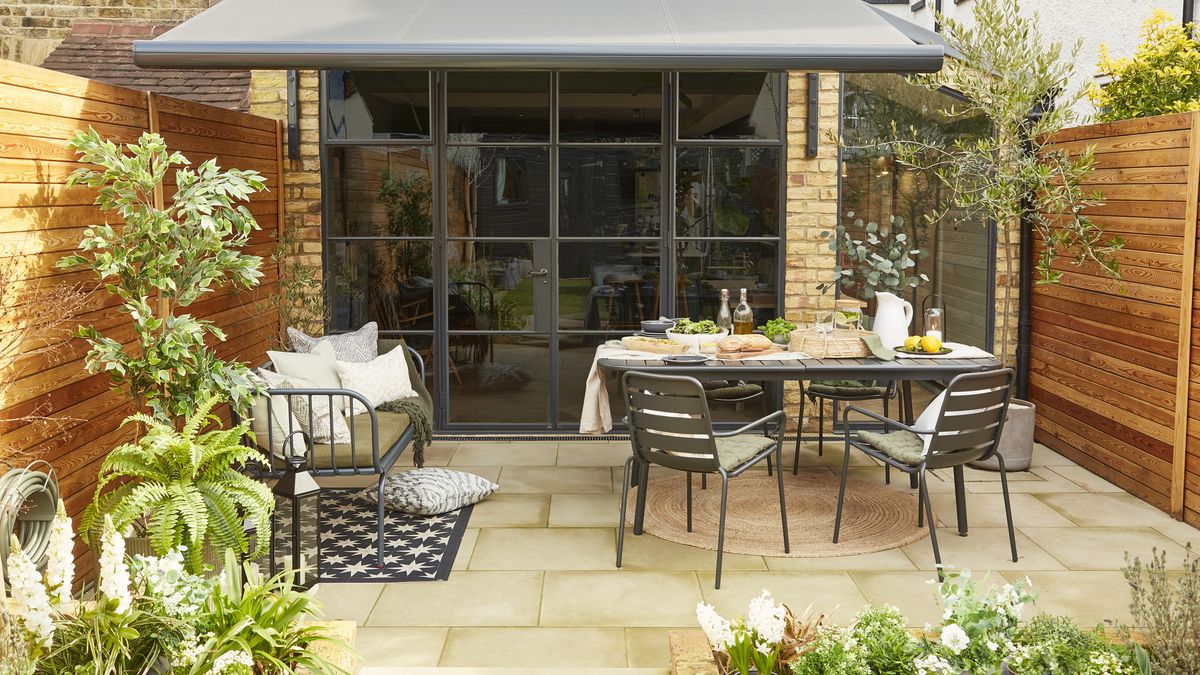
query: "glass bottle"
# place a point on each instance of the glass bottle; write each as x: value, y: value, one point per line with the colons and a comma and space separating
x: 743, y: 317
x: 724, y: 316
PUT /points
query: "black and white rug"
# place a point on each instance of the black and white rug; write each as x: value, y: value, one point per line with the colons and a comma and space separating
x: 416, y: 548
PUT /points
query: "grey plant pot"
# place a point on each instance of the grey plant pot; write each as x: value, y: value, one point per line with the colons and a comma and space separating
x: 1016, y: 441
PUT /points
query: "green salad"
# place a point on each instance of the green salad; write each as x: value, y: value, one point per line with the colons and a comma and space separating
x: 776, y: 327
x: 689, y: 327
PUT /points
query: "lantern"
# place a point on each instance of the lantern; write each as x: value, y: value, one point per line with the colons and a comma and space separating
x: 935, y: 317
x: 295, y: 536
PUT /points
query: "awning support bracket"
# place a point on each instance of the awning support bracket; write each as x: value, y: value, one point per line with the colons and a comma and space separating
x: 813, y: 116
x: 293, y: 114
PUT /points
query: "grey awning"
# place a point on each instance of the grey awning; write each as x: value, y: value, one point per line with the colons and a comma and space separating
x: 813, y: 35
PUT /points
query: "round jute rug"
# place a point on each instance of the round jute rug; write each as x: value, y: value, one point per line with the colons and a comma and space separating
x: 875, y: 517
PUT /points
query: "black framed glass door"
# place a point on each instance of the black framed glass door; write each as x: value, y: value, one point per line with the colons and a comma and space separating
x: 505, y: 224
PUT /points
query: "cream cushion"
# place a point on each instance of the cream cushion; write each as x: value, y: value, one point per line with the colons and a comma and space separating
x: 282, y: 422
x: 318, y: 368
x: 383, y: 379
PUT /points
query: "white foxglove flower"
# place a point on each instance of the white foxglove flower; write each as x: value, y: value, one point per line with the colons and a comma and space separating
x: 766, y: 618
x: 718, y: 630
x: 60, y: 562
x: 955, y: 638
x: 114, y: 574
x: 31, y: 603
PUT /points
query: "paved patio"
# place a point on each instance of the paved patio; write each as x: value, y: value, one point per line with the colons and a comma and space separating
x: 534, y: 585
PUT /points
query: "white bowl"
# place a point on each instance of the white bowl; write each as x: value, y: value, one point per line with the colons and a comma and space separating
x: 696, y: 341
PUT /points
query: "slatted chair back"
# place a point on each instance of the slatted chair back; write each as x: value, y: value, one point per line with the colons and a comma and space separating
x: 971, y: 419
x: 669, y: 421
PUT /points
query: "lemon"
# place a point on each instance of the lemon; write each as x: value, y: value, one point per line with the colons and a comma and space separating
x: 931, y: 344
x: 841, y: 319
x: 912, y: 343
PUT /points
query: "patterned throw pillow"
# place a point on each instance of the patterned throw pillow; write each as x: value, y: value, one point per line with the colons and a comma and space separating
x: 427, y: 492
x: 381, y: 380
x: 281, y: 420
x: 359, y: 346
x: 324, y: 424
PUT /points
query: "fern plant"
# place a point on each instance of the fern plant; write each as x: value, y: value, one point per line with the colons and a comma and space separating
x: 182, y: 485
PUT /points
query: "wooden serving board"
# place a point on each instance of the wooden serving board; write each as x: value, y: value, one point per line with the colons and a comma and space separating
x: 734, y: 356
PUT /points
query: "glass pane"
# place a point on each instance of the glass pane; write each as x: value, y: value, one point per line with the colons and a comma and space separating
x: 376, y: 191
x: 609, y: 107
x: 727, y: 192
x: 729, y: 105
x: 875, y: 187
x: 385, y: 281
x: 494, y: 107
x: 498, y: 192
x: 607, y: 285
x: 609, y: 192
x: 491, y: 287
x: 705, y: 267
x: 500, y: 379
x: 364, y: 104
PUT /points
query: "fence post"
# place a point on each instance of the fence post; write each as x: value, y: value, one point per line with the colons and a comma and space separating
x: 1184, y: 342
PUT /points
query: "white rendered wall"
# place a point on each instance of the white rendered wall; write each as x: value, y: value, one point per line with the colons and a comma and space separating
x: 1114, y: 23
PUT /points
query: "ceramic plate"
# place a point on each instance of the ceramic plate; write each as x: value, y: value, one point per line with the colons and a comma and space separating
x: 684, y: 359
x: 921, y: 352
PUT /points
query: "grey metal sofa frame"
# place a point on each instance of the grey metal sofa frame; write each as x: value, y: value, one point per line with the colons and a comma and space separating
x: 382, y: 459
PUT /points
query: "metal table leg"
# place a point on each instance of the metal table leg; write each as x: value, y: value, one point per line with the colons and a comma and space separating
x: 907, y: 418
x: 960, y: 500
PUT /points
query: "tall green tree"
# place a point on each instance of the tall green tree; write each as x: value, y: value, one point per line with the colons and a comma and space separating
x: 161, y: 259
x: 1009, y: 73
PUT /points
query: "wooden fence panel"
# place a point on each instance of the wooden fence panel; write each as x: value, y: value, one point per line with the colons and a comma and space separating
x: 40, y: 221
x: 1114, y: 364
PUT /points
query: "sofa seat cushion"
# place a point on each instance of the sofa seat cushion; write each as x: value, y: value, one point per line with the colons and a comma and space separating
x: 734, y: 451
x: 392, y: 426
x: 904, y: 446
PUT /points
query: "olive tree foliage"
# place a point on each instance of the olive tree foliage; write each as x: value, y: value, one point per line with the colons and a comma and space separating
x: 1017, y: 80
x: 160, y: 260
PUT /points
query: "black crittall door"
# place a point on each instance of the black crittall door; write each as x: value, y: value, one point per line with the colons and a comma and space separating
x: 506, y: 223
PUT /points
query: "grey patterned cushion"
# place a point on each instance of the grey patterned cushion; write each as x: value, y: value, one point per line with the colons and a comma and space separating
x: 359, y: 346
x: 326, y: 424
x: 427, y: 492
x: 901, y: 445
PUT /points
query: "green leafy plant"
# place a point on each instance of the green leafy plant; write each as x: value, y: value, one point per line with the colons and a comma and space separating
x: 264, y: 618
x: 878, y: 261
x: 1009, y: 74
x: 1055, y: 644
x: 299, y: 297
x: 878, y: 643
x: 182, y: 487
x: 161, y: 259
x: 777, y: 327
x: 1162, y: 77
x: 1166, y: 608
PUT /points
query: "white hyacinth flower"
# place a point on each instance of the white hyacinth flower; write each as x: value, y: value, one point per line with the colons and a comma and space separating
x: 718, y: 629
x: 60, y: 562
x: 955, y: 638
x: 230, y: 661
x: 766, y: 618
x: 31, y: 603
x: 114, y: 574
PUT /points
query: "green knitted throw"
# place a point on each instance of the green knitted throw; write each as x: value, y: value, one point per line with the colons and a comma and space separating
x: 419, y: 409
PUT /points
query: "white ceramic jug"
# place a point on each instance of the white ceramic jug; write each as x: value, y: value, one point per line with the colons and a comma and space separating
x: 893, y: 316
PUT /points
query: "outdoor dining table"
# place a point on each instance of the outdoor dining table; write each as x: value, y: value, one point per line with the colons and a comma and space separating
x: 903, y: 370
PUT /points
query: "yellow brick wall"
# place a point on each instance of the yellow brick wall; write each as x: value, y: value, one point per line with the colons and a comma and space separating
x: 812, y: 205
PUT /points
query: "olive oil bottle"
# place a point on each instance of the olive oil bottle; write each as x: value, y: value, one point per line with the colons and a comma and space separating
x: 743, y: 317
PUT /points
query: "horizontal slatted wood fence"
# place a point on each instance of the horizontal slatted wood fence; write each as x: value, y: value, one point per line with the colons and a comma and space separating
x: 1115, y: 367
x: 41, y: 221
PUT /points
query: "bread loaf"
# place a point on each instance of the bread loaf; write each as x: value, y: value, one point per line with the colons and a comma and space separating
x: 744, y: 343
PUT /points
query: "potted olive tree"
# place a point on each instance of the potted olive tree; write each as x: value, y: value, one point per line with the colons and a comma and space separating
x: 167, y: 254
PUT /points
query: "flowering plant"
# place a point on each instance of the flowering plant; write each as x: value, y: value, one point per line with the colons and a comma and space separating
x: 754, y: 640
x: 978, y: 627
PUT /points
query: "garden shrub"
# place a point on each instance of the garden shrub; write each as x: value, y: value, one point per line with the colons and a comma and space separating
x: 1166, y: 608
x: 1162, y: 77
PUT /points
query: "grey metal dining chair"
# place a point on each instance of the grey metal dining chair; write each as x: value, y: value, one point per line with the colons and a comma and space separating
x: 967, y: 429
x: 670, y: 425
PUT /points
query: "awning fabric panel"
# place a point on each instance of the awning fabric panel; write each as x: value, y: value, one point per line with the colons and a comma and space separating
x: 829, y: 35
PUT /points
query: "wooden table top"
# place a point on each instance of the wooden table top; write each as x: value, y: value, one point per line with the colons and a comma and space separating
x: 922, y: 368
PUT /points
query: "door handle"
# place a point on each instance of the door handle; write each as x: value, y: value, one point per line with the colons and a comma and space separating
x: 540, y: 273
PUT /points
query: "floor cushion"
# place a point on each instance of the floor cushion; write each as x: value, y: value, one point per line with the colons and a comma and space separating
x: 431, y: 491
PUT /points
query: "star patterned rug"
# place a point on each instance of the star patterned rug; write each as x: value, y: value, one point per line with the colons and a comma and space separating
x: 416, y: 548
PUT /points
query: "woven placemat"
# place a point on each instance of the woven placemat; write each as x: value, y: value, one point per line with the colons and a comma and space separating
x: 876, y: 517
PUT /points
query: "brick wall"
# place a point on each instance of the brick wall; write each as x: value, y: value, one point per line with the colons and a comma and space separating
x: 812, y: 205
x: 31, y: 29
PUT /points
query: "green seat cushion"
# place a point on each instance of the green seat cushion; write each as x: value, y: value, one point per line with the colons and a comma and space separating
x: 845, y: 388
x: 734, y: 451
x: 733, y: 391
x: 901, y: 445
x: 392, y: 426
